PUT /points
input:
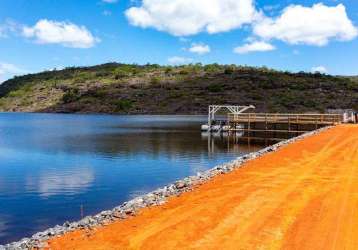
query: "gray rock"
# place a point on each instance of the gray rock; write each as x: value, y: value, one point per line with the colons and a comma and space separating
x: 66, y: 224
x: 157, y: 197
x: 180, y: 184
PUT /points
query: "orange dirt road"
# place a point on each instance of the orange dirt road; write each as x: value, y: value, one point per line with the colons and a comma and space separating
x: 304, y: 196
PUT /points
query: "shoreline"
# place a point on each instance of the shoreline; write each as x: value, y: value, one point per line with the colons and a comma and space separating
x: 155, y: 198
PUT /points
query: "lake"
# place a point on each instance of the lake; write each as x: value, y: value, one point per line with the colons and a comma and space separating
x: 52, y: 164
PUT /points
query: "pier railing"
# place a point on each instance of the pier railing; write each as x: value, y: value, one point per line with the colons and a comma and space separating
x: 318, y: 119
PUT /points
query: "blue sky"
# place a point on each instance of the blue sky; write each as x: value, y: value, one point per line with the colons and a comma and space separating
x: 282, y: 34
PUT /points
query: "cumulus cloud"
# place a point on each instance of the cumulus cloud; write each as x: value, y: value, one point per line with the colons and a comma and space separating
x: 176, y: 60
x: 199, y: 48
x: 64, y: 33
x: 188, y: 17
x: 256, y: 46
x: 315, y: 25
x: 296, y: 24
x: 320, y: 69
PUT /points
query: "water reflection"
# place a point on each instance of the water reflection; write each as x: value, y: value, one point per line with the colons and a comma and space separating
x: 51, y: 165
x: 55, y: 182
x: 3, y: 222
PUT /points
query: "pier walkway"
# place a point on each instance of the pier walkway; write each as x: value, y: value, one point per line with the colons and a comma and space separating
x: 303, y: 196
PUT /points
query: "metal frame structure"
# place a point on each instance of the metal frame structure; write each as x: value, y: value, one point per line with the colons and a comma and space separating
x: 319, y: 119
x: 213, y: 109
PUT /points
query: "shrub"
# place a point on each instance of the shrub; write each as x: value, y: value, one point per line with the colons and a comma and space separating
x: 123, y: 105
x: 102, y: 74
x: 82, y: 77
x: 215, y: 88
x: 71, y: 95
x: 97, y: 93
x: 184, y: 72
x: 212, y: 67
x: 229, y: 70
x: 21, y: 91
x: 126, y: 70
x: 120, y: 74
x: 155, y: 81
x: 168, y: 70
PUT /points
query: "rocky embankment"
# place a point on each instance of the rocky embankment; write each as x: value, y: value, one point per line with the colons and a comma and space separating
x: 155, y: 198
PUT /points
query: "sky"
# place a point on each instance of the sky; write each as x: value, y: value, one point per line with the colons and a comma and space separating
x: 293, y: 35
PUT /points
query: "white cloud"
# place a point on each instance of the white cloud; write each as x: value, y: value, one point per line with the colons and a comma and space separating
x: 315, y: 25
x: 64, y: 33
x: 297, y: 24
x: 258, y: 46
x: 8, y: 70
x: 199, y: 48
x: 188, y: 17
x: 176, y: 60
x: 320, y: 69
x: 9, y: 26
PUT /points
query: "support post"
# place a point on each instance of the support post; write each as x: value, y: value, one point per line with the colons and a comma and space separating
x: 209, y: 118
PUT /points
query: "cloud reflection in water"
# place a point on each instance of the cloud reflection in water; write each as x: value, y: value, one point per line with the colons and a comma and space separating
x: 56, y: 182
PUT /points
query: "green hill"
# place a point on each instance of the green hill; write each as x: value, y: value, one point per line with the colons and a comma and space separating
x: 154, y: 89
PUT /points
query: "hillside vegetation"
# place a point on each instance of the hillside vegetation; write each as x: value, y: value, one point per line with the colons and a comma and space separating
x: 154, y: 89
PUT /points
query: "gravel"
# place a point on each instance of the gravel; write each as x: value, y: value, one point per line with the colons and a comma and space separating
x: 155, y: 198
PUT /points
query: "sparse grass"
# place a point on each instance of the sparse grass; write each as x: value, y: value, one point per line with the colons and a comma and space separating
x: 186, y: 88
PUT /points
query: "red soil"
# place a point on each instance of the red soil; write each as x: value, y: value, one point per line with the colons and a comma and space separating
x: 304, y: 196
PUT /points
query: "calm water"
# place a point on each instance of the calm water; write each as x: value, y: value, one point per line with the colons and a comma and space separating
x: 50, y: 165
